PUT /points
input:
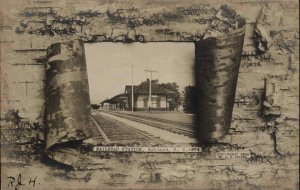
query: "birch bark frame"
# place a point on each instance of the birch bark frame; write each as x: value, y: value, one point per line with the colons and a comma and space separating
x: 222, y: 32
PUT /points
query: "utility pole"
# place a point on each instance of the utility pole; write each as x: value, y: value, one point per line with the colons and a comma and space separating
x: 150, y: 87
x: 132, y: 95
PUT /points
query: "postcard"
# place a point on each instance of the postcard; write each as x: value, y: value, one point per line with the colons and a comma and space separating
x: 149, y: 94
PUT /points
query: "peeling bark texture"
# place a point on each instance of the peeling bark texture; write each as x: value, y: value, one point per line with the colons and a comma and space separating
x: 271, y: 105
x: 262, y: 38
x: 67, y: 113
x: 217, y: 67
x: 217, y: 63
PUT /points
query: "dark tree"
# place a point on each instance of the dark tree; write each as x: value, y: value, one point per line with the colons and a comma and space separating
x: 95, y: 106
x: 190, y: 99
x: 152, y: 81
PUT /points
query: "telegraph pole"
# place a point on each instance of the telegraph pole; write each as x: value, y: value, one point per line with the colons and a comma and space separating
x: 150, y: 87
x: 132, y: 96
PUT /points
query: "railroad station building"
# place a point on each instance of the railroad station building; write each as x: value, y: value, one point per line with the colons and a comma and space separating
x: 159, y: 94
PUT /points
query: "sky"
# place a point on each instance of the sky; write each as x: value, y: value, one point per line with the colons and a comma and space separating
x: 109, y: 65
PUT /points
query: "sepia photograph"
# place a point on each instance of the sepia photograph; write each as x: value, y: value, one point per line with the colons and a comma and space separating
x: 138, y: 97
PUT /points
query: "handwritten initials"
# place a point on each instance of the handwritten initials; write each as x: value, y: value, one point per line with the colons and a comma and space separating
x: 16, y: 183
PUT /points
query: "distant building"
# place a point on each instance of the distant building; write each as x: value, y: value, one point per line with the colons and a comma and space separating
x: 117, y: 102
x: 159, y: 93
x: 160, y: 98
x: 105, y: 104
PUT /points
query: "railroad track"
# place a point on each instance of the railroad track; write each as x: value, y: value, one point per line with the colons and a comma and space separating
x: 112, y: 131
x: 167, y: 125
